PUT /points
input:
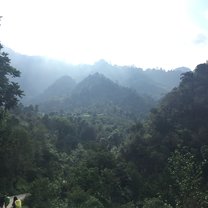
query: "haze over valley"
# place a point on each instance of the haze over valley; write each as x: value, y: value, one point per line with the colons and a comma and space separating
x: 53, y: 82
x: 104, y: 103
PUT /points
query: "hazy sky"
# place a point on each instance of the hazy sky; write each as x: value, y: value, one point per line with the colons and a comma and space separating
x: 145, y: 33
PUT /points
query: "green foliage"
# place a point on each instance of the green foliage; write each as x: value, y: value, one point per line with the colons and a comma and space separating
x: 9, y: 90
x: 179, y: 121
x: 92, y: 202
x: 99, y: 160
x: 155, y: 202
x: 16, y: 152
x: 128, y: 205
x: 81, y: 199
x: 44, y: 193
x: 186, y: 174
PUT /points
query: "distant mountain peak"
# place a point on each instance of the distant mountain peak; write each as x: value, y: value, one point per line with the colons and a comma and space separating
x: 60, y: 89
x: 99, y: 76
x: 97, y: 81
x: 182, y: 69
x: 101, y: 62
x: 64, y: 79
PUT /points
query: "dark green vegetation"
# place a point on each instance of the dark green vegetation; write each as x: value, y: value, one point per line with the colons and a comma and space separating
x: 9, y: 90
x: 92, y: 159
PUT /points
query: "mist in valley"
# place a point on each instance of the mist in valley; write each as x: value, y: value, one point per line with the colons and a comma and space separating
x: 103, y: 104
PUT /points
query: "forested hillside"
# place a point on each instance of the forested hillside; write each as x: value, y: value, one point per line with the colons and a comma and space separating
x: 59, y: 90
x: 96, y: 94
x: 91, y: 159
x: 152, y: 82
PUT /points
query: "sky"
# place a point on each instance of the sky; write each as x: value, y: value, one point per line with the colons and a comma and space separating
x: 145, y: 33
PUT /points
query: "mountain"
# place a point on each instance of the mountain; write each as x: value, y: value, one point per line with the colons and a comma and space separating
x: 98, y: 94
x: 59, y: 90
x: 186, y: 107
x: 152, y: 82
x: 166, y: 79
x: 131, y: 77
x: 38, y: 73
x: 170, y: 150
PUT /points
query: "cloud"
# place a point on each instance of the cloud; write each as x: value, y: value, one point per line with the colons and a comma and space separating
x: 201, y: 39
x: 145, y: 33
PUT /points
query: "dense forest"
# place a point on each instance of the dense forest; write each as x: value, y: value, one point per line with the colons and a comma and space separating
x: 118, y: 150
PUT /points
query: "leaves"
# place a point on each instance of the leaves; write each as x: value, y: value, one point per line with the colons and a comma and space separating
x: 9, y: 90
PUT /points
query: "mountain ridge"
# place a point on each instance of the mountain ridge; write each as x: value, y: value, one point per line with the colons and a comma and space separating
x: 96, y: 92
x: 152, y: 82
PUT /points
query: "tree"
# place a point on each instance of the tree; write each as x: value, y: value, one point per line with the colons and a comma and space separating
x: 9, y: 90
x: 155, y: 202
x: 186, y: 174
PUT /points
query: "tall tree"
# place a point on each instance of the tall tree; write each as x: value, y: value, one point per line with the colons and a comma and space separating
x: 9, y: 90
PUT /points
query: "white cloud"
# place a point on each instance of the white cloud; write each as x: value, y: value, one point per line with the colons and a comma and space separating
x: 146, y: 33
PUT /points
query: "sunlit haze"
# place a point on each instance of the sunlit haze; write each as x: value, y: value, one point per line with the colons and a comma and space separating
x: 144, y: 33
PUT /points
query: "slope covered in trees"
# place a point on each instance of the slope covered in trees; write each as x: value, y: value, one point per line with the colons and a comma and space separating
x: 59, y: 90
x: 95, y: 94
x: 9, y: 90
x: 171, y: 152
x: 91, y: 160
